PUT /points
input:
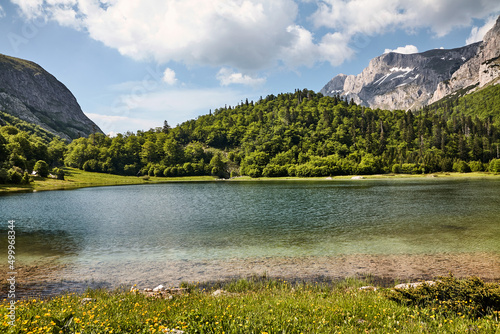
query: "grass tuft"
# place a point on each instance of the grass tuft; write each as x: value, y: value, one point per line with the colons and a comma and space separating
x: 256, y: 305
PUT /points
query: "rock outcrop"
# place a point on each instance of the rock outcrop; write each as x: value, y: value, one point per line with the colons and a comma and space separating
x: 410, y: 81
x: 479, y: 71
x: 32, y: 94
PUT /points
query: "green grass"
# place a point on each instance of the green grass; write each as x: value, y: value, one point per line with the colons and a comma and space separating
x: 251, y: 306
x: 76, y: 178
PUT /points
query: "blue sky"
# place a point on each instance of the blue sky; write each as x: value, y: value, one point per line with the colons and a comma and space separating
x: 133, y: 64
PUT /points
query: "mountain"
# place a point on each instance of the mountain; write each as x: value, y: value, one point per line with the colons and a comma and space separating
x: 29, y: 92
x: 410, y: 81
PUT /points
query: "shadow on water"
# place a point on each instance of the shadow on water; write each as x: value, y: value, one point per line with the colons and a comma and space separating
x: 34, y: 244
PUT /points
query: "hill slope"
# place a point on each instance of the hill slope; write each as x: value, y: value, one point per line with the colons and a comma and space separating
x: 32, y: 94
x: 299, y: 134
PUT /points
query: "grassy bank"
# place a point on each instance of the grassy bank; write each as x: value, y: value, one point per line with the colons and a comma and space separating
x: 75, y: 178
x: 269, y: 306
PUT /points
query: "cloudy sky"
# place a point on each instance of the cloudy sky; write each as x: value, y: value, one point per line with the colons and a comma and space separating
x: 132, y: 64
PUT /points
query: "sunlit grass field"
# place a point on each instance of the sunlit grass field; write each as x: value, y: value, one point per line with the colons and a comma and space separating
x: 259, y: 305
x: 75, y: 178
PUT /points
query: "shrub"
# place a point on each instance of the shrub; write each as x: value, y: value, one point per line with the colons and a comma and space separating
x: 461, y: 167
x: 274, y: 171
x: 410, y: 169
x: 14, y: 175
x: 4, y: 176
x: 470, y: 296
x: 446, y: 165
x: 158, y: 171
x: 26, y: 178
x: 130, y: 169
x: 59, y: 173
x: 42, y: 168
x: 92, y: 165
x: 254, y: 172
x: 494, y: 166
x: 476, y: 166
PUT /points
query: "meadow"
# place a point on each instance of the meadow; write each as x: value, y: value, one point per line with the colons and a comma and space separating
x: 76, y: 178
x: 262, y: 305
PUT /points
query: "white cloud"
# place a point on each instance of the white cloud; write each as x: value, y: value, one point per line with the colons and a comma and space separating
x: 334, y: 47
x: 227, y: 77
x: 408, y: 49
x: 250, y: 35
x: 169, y: 76
x: 373, y: 17
x: 477, y: 33
x: 244, y: 34
x: 2, y: 12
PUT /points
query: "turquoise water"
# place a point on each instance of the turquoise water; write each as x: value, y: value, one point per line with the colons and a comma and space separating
x: 223, y: 220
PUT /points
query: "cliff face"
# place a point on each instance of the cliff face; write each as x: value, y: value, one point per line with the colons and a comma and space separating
x: 482, y: 69
x: 32, y: 94
x: 410, y: 81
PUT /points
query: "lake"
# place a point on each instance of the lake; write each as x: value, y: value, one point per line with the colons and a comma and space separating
x: 136, y: 233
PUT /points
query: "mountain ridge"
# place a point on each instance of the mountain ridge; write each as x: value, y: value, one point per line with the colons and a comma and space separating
x: 411, y: 81
x: 29, y: 92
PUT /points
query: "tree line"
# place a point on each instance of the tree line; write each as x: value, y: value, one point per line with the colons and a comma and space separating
x: 301, y: 134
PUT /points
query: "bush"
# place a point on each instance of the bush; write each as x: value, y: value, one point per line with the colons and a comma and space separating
x: 26, y: 178
x: 92, y: 165
x: 494, y: 166
x: 254, y: 172
x: 476, y: 166
x: 446, y: 165
x: 14, y: 175
x: 158, y: 171
x: 410, y: 169
x: 471, y: 296
x: 4, y: 176
x: 274, y: 171
x: 42, y: 168
x: 461, y: 167
x: 130, y: 169
x: 59, y: 173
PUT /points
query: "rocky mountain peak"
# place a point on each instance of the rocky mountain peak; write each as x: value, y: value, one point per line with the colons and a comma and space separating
x: 30, y: 93
x: 410, y: 81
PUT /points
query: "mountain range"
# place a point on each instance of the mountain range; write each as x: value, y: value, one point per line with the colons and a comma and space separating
x: 411, y: 81
x: 391, y: 81
x: 29, y: 92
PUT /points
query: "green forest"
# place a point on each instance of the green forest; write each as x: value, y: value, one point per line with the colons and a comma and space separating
x: 302, y: 134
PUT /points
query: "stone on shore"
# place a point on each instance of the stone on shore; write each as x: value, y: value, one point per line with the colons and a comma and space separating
x: 413, y: 285
x: 159, y: 288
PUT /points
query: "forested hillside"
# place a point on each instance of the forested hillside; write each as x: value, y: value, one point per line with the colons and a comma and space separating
x: 484, y: 103
x: 25, y: 147
x: 306, y: 134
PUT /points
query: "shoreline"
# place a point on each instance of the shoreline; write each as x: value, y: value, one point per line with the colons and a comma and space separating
x: 77, y: 179
x: 50, y: 278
